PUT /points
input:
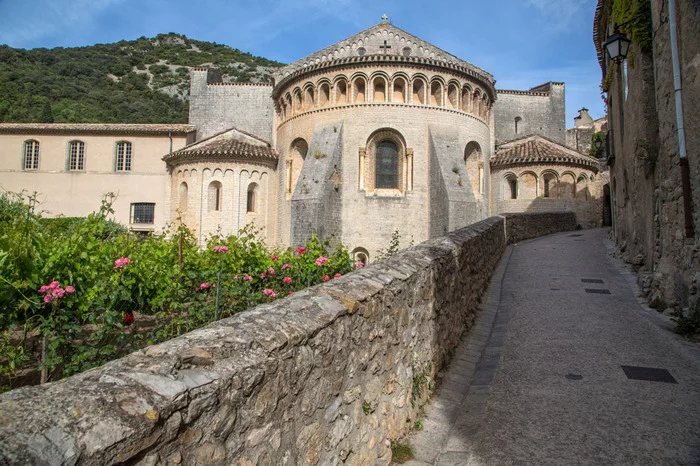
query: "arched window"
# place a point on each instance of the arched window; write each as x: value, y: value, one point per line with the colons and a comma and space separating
x: 517, y: 123
x: 183, y: 194
x: 359, y: 90
x: 296, y: 102
x: 387, y: 165
x: 474, y: 167
x: 567, y: 186
x: 341, y: 92
x: 31, y: 155
x: 399, y: 90
x: 527, y: 185
x: 251, y: 200
x: 549, y: 185
x: 361, y: 256
x: 582, y: 188
x: 123, y: 160
x: 512, y: 187
x: 76, y: 157
x: 476, y: 103
x: 215, y: 193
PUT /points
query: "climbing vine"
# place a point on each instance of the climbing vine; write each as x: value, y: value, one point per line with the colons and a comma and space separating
x: 595, y: 152
x: 634, y: 16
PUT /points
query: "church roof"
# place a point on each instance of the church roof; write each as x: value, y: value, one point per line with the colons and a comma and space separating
x: 85, y: 128
x: 538, y: 149
x: 372, y: 40
x: 231, y: 144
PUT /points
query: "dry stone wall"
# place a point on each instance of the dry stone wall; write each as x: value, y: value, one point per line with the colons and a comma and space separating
x: 327, y: 376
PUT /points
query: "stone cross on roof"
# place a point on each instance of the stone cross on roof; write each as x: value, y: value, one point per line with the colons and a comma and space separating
x: 385, y: 18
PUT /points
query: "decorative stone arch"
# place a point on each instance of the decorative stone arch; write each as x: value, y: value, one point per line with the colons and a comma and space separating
x: 437, y: 92
x: 386, y: 163
x: 295, y: 161
x: 527, y: 185
x: 289, y: 111
x: 340, y: 90
x: 419, y: 89
x: 549, y: 180
x: 466, y: 98
x: 582, y: 189
x: 453, y: 96
x: 567, y: 185
x: 399, y: 87
x: 309, y: 97
x: 476, y: 102
x: 360, y: 255
x: 380, y: 87
x: 359, y: 88
x: 474, y: 166
x: 485, y: 106
x: 510, y: 186
x: 324, y: 93
x: 296, y: 101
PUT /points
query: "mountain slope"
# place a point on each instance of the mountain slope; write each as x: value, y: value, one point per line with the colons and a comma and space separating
x: 139, y: 81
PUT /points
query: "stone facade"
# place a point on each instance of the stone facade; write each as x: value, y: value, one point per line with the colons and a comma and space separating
x: 540, y: 110
x: 77, y: 165
x: 643, y: 150
x: 328, y: 376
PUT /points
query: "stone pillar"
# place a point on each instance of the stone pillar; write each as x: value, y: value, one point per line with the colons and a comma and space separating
x: 289, y: 176
x: 481, y: 177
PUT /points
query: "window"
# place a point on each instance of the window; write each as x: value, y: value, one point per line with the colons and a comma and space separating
x: 361, y: 51
x: 77, y: 156
x: 123, y: 156
x: 142, y: 212
x: 251, y: 201
x: 215, y: 196
x: 517, y: 122
x: 31, y: 155
x: 387, y: 165
x: 512, y: 187
x: 407, y: 51
x: 184, y: 193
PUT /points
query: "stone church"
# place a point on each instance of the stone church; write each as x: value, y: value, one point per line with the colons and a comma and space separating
x: 377, y: 133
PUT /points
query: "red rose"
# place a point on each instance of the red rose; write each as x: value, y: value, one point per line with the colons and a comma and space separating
x: 128, y: 319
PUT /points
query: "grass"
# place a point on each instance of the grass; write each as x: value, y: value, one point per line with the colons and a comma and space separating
x: 401, y: 452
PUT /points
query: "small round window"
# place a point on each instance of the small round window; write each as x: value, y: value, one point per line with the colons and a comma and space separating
x: 407, y: 51
x: 361, y: 51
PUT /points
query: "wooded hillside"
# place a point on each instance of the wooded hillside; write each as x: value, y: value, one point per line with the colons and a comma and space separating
x: 140, y: 81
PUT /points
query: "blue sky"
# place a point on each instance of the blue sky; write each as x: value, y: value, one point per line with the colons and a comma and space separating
x: 523, y: 43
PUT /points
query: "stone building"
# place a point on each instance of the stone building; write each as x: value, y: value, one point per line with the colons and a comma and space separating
x: 380, y: 132
x: 653, y: 136
x: 71, y: 166
x: 580, y: 136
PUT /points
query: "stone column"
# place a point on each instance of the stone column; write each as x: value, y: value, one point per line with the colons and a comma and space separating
x: 289, y: 177
x: 481, y: 177
x: 363, y: 155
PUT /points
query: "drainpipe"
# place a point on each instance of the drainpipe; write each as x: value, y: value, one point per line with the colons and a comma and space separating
x: 685, y: 168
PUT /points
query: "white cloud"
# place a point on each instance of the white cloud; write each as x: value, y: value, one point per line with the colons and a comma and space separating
x: 22, y: 23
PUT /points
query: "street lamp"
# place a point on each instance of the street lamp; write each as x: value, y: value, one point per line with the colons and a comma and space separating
x: 617, y: 45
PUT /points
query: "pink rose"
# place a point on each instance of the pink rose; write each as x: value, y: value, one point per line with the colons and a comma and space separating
x: 337, y: 275
x: 359, y: 265
x: 301, y: 250
x: 204, y: 286
x: 53, y: 285
x: 326, y: 278
x: 44, y: 289
x: 48, y: 299
x: 246, y: 277
x: 321, y: 261
x: 269, y: 292
x: 70, y: 289
x: 274, y: 258
x: 262, y: 275
x: 286, y: 266
x: 271, y: 271
x: 287, y: 279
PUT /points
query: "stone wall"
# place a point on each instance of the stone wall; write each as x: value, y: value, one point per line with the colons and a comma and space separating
x: 326, y: 376
x: 541, y: 110
x: 216, y: 106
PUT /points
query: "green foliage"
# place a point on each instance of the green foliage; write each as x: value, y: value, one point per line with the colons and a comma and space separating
x: 367, y: 408
x: 418, y: 425
x: 421, y: 381
x: 394, y: 246
x: 401, y: 452
x: 118, y: 276
x: 597, y: 136
x: 634, y: 16
x: 99, y: 83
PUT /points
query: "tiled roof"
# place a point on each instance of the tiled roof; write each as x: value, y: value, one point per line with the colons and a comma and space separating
x: 120, y: 128
x: 232, y: 144
x: 538, y: 149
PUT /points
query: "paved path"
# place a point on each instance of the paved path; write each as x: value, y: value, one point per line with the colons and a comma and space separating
x: 540, y: 378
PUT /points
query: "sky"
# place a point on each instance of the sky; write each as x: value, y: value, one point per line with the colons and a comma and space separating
x: 522, y: 43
